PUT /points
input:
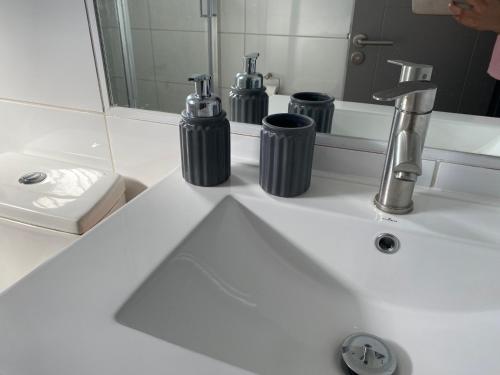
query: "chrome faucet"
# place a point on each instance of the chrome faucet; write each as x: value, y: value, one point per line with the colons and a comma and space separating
x: 403, y: 163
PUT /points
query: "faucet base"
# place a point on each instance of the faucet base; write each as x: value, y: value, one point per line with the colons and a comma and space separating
x: 392, y: 210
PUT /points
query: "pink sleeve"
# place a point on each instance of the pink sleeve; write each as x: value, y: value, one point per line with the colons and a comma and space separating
x: 494, y: 69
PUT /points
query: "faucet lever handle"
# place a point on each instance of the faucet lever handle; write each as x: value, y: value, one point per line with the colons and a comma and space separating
x: 403, y: 89
x: 411, y: 96
x: 411, y: 71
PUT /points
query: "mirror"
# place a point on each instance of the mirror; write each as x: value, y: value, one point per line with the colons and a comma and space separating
x: 336, y: 47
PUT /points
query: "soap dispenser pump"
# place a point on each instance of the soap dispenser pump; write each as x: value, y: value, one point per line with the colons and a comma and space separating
x: 205, y: 136
x: 248, y: 98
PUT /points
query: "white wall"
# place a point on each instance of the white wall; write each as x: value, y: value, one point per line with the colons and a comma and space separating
x: 46, y: 55
x: 50, y: 102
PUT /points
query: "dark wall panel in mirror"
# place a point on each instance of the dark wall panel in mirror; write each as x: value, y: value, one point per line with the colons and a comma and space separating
x: 460, y: 56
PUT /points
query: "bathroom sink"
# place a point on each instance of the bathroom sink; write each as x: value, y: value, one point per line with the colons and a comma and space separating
x: 232, y: 281
x: 274, y: 286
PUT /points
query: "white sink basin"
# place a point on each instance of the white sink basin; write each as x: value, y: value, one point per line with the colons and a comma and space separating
x: 231, y: 281
x: 274, y: 289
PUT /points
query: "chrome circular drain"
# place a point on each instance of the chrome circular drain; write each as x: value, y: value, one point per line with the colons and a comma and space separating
x: 365, y: 354
x: 387, y: 243
x: 32, y: 178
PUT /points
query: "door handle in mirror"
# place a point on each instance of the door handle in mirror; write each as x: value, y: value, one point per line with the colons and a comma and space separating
x: 361, y: 40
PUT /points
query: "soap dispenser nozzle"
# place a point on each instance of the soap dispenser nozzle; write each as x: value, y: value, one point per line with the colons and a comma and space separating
x: 202, y: 103
x: 249, y: 79
x: 202, y: 84
x: 251, y: 62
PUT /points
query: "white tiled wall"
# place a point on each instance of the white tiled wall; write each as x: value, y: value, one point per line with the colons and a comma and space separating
x: 169, y: 44
x: 156, y: 149
x: 50, y: 102
x: 302, y: 42
x: 316, y: 18
x: 73, y: 136
x: 302, y: 63
x: 46, y: 55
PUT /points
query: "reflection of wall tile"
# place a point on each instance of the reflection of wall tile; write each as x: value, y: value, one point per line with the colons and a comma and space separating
x: 231, y: 57
x: 172, y: 96
x: 177, y: 15
x: 232, y: 16
x: 139, y: 14
x: 119, y: 91
x: 147, y: 96
x: 143, y: 54
x: 73, y: 136
x: 302, y: 64
x: 179, y: 54
x: 179, y: 46
x: 299, y: 17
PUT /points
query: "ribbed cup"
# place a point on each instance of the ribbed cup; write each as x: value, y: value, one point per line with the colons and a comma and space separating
x: 205, y: 149
x: 248, y: 105
x: 318, y: 106
x: 286, y: 154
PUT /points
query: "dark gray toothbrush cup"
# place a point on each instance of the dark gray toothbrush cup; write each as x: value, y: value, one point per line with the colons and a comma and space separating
x: 286, y: 154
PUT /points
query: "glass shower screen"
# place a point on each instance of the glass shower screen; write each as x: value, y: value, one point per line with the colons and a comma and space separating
x: 151, y: 47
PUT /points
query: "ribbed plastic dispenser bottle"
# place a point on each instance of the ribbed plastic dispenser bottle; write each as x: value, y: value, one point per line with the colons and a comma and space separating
x: 205, y: 136
x: 248, y: 98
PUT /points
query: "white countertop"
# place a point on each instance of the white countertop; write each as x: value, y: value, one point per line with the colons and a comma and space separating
x: 59, y: 320
x: 24, y: 247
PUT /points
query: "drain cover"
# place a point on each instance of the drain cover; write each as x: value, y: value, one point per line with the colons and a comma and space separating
x: 387, y: 243
x: 32, y: 178
x: 365, y: 354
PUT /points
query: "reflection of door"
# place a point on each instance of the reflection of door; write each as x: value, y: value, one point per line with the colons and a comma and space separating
x: 460, y: 56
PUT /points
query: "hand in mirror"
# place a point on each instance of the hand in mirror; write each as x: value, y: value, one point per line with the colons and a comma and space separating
x: 484, y: 15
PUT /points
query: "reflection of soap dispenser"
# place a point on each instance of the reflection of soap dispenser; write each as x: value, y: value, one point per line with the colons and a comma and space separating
x: 248, y: 97
x: 205, y: 136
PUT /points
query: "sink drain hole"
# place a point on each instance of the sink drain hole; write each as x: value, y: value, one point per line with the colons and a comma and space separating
x: 363, y: 354
x: 387, y: 243
x: 32, y: 178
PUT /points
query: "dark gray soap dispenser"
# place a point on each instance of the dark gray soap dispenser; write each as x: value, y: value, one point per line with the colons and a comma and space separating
x: 248, y: 98
x: 205, y: 136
